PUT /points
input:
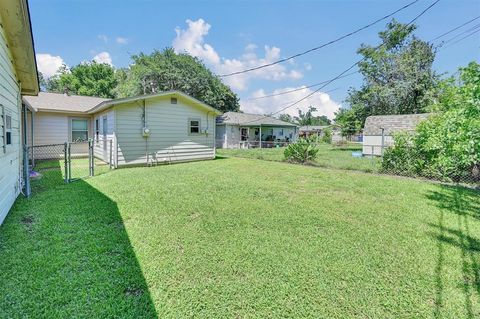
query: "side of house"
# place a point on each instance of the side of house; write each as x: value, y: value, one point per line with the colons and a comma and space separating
x: 379, y: 130
x: 161, y: 128
x: 18, y: 75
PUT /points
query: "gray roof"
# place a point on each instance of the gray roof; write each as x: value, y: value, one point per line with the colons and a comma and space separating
x: 59, y: 102
x: 392, y: 123
x: 312, y: 128
x: 246, y: 119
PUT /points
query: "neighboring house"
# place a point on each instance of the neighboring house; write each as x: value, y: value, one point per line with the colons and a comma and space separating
x: 379, y: 130
x: 18, y: 76
x: 148, y: 129
x: 309, y: 130
x: 242, y: 130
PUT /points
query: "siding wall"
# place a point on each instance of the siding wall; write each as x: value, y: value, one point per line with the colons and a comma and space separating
x: 372, y: 144
x: 102, y: 143
x: 10, y: 162
x: 55, y: 128
x: 169, y: 139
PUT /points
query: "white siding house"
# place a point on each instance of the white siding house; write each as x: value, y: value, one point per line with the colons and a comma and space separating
x: 379, y: 130
x: 18, y: 75
x: 155, y: 129
x: 243, y: 130
x: 149, y: 129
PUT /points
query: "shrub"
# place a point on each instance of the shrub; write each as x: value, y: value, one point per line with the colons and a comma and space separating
x: 447, y: 144
x: 327, y: 136
x: 302, y: 151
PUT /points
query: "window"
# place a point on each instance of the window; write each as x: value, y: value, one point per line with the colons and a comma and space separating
x: 97, y: 128
x: 79, y: 130
x: 194, y: 126
x: 8, y: 130
x: 280, y: 132
x: 173, y: 100
x: 105, y: 127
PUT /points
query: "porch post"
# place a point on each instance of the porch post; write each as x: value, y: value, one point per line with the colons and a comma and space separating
x: 260, y: 135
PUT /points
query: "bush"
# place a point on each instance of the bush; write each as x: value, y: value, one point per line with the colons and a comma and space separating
x: 302, y: 151
x: 327, y: 136
x: 446, y: 145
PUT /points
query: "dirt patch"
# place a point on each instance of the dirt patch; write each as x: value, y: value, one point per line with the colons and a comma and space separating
x: 133, y: 291
x: 28, y: 222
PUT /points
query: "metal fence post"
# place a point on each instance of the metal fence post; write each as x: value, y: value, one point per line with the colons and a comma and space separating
x: 65, y: 160
x: 28, y: 190
x: 90, y: 157
x: 69, y: 161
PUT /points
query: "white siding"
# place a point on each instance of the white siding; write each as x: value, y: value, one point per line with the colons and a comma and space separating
x: 102, y: 143
x: 55, y: 128
x: 169, y: 140
x: 372, y: 144
x: 10, y: 161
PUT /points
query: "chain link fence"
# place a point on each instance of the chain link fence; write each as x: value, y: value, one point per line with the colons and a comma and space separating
x: 55, y: 164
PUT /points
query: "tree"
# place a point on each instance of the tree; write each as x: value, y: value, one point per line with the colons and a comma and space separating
x: 286, y: 118
x: 166, y: 70
x: 397, y: 75
x: 348, y: 121
x: 306, y: 118
x: 90, y: 79
x: 447, y: 144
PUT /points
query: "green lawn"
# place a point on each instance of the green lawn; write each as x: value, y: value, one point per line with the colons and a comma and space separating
x: 242, y: 238
x: 330, y: 156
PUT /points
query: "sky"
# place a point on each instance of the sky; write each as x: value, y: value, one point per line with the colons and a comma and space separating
x: 233, y: 35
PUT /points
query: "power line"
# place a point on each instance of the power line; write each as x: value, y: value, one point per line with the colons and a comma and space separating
x: 456, y: 28
x: 475, y: 27
x: 295, y: 90
x: 465, y: 37
x: 351, y: 73
x: 320, y: 46
x: 343, y: 72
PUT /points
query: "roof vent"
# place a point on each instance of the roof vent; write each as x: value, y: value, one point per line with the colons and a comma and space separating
x: 173, y: 100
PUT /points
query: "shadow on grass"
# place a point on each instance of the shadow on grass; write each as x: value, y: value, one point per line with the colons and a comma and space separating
x: 65, y: 253
x: 465, y: 204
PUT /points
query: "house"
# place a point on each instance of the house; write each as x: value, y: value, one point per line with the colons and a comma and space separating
x: 147, y: 129
x: 309, y: 130
x: 18, y: 76
x: 243, y: 130
x: 379, y: 130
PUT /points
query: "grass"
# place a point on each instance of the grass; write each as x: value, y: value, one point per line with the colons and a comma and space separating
x: 331, y: 156
x: 242, y: 238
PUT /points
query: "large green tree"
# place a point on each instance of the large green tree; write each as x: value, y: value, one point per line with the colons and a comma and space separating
x: 397, y: 76
x: 91, y: 79
x: 306, y: 118
x: 166, y: 70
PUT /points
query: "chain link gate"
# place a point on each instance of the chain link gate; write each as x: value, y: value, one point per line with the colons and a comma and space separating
x: 55, y: 164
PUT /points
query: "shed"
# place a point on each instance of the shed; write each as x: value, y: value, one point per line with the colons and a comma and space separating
x: 379, y: 130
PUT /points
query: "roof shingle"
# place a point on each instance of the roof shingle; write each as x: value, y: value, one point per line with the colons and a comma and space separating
x: 59, y: 102
x: 246, y: 119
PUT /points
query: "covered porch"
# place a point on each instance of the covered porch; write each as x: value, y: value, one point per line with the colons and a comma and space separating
x: 266, y: 136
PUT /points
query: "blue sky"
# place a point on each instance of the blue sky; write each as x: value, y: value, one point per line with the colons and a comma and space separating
x: 230, y: 35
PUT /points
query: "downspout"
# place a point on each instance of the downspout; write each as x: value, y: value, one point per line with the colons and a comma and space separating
x: 144, y: 118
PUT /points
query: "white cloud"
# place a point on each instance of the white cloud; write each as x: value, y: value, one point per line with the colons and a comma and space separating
x: 48, y: 64
x: 121, y: 40
x: 103, y: 37
x: 103, y: 57
x: 192, y: 40
x: 322, y: 101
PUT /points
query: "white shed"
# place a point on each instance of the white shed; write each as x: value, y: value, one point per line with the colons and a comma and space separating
x: 379, y: 130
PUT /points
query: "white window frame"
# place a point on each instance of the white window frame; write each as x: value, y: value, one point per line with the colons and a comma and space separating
x: 71, y: 127
x: 190, y: 120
